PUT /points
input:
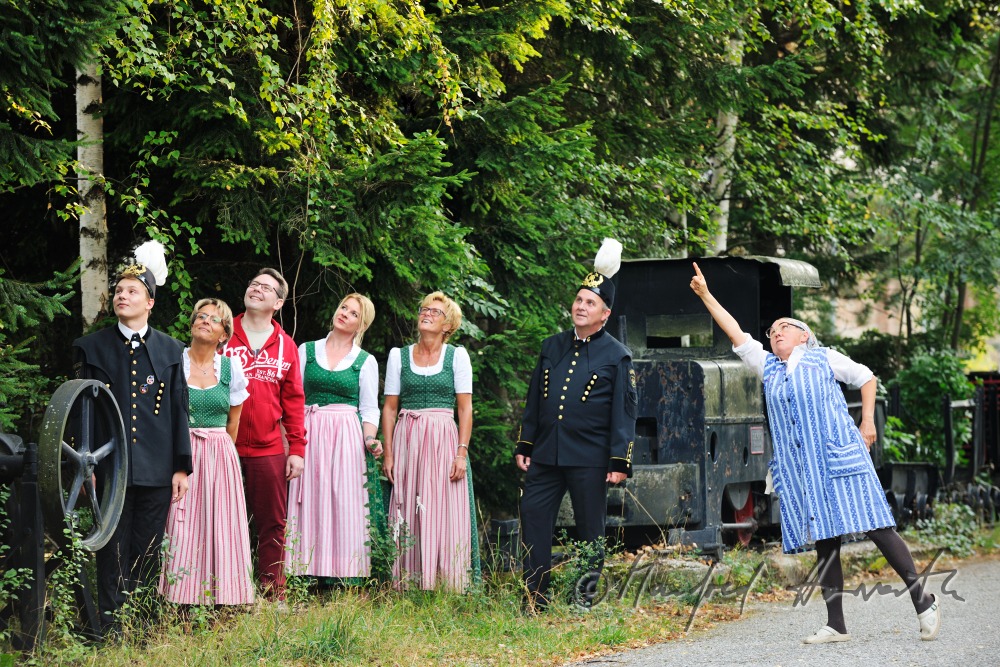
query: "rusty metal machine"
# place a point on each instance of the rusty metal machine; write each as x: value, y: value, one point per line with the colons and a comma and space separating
x: 76, y: 475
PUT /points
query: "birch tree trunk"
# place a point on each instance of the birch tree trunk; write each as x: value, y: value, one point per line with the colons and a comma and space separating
x: 720, y: 162
x: 90, y: 177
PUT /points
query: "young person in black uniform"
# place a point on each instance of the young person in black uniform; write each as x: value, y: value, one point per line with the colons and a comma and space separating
x: 142, y: 367
x: 577, y: 431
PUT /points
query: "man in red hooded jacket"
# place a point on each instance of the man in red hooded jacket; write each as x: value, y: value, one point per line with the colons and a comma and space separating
x: 276, y: 404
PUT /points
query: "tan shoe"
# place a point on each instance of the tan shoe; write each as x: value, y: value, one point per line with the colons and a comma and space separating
x: 930, y: 621
x: 826, y: 635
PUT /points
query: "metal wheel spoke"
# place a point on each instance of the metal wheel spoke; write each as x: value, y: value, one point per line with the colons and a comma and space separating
x: 74, y: 490
x: 69, y: 452
x: 104, y: 450
x: 95, y: 504
x: 86, y: 419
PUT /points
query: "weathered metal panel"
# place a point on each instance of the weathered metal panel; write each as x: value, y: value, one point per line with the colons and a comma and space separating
x: 656, y: 495
x: 794, y: 272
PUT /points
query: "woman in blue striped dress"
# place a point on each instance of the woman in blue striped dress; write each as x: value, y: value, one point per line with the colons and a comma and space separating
x: 821, y: 468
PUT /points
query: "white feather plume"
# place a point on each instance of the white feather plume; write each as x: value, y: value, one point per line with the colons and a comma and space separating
x: 151, y: 255
x: 609, y: 258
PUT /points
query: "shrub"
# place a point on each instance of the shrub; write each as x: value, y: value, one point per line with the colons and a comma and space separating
x: 953, y: 528
x: 922, y: 385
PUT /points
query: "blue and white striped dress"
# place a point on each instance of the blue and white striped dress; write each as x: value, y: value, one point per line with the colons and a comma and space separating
x: 821, y: 469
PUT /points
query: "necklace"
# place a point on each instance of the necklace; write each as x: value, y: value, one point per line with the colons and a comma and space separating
x: 436, y: 357
x: 204, y: 371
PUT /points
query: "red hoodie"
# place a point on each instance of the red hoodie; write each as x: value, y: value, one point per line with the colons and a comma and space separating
x: 276, y: 396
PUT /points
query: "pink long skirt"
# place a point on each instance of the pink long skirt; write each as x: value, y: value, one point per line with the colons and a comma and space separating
x: 209, y: 543
x: 427, y: 510
x: 327, y: 505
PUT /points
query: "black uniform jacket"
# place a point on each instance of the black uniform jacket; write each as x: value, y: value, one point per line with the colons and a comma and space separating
x: 152, y: 395
x: 581, y: 404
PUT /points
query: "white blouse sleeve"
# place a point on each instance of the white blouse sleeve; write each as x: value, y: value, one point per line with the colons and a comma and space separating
x: 393, y: 367
x: 368, y: 385
x: 849, y: 372
x: 462, y: 368
x: 237, y: 382
x: 753, y: 354
x: 303, y: 355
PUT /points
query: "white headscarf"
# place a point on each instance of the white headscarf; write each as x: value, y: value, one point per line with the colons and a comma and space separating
x: 812, y: 341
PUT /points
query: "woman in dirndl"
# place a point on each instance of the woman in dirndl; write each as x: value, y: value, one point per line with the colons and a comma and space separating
x: 431, y: 509
x: 336, y: 504
x: 208, y: 561
x: 821, y: 469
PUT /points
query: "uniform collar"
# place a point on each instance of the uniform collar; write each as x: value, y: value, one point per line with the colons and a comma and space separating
x: 597, y: 334
x: 127, y: 333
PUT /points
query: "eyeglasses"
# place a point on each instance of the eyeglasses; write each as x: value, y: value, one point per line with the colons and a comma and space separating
x: 263, y: 287
x: 433, y: 312
x: 781, y: 328
x: 202, y: 317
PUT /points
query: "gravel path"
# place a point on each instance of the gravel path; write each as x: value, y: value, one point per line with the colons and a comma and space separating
x: 884, y: 631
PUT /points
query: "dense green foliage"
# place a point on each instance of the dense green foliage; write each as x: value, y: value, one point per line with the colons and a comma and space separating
x: 485, y: 148
x: 923, y: 386
x: 42, y: 41
x: 953, y: 528
x: 27, y: 307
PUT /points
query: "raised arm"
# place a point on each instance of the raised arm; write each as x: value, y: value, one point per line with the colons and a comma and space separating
x: 721, y: 316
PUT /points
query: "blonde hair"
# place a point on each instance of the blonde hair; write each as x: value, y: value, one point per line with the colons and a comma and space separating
x: 223, y: 310
x: 452, y: 313
x: 367, y: 315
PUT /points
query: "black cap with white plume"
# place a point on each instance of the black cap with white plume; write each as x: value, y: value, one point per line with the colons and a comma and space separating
x: 606, y: 265
x: 149, y: 267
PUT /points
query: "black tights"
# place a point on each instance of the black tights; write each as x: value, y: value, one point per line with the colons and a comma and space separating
x: 831, y: 573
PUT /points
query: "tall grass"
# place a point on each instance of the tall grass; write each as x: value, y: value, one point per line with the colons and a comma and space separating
x: 378, y: 627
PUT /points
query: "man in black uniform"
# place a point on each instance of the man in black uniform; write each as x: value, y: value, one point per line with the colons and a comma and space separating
x: 143, y: 369
x: 577, y: 431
